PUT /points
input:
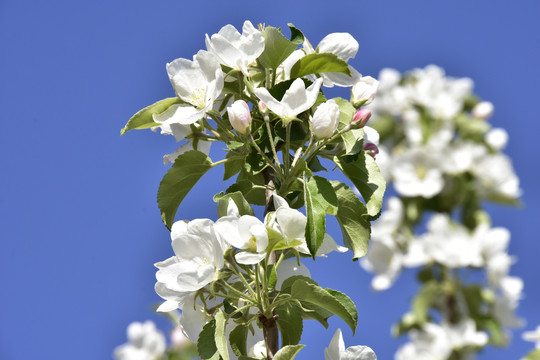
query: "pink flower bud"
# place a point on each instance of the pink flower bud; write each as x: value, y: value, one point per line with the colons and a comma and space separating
x: 371, y: 149
x: 361, y: 117
x: 239, y: 116
x: 262, y: 107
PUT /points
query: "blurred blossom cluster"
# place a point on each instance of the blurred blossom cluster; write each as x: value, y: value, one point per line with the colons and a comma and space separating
x: 445, y: 162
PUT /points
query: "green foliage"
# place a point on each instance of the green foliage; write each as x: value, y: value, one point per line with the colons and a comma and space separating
x: 424, y: 300
x: 238, y: 340
x: 340, y: 305
x: 320, y: 199
x: 318, y: 64
x: 364, y: 173
x: 533, y: 355
x: 206, y: 345
x: 297, y: 36
x: 238, y: 198
x: 179, y: 180
x: 290, y: 323
x: 351, y: 216
x: 233, y: 166
x: 221, y: 340
x: 143, y: 119
x: 288, y: 352
x: 276, y: 47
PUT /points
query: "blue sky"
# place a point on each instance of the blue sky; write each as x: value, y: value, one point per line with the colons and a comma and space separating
x: 80, y: 227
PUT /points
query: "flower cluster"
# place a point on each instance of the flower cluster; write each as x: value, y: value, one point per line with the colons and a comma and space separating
x: 445, y: 161
x: 239, y: 281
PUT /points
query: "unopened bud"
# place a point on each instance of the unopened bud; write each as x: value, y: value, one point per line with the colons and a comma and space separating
x: 325, y: 120
x: 363, y: 91
x: 361, y: 117
x: 482, y: 110
x: 371, y: 149
x: 239, y: 116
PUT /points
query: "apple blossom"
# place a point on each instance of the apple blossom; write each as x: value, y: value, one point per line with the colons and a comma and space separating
x: 145, y: 342
x: 198, y: 257
x: 240, y: 116
x: 533, y: 336
x: 336, y: 350
x: 325, y: 120
x: 296, y: 100
x: 236, y: 50
x: 497, y: 138
x: 197, y: 83
x: 363, y: 91
x: 361, y: 117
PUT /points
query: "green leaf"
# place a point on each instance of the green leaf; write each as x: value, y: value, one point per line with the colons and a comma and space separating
x: 290, y: 323
x: 288, y: 352
x: 206, y: 345
x: 347, y: 303
x: 253, y: 195
x: 320, y: 199
x: 223, y: 202
x: 272, y: 277
x: 297, y: 37
x: 255, y: 163
x: 143, y: 119
x: 221, y: 340
x: 318, y: 64
x: 187, y: 169
x: 311, y: 293
x: 346, y: 112
x: 424, y: 300
x: 533, y: 355
x: 276, y: 48
x: 366, y: 176
x: 288, y: 282
x: 232, y: 167
x: 314, y: 312
x: 351, y: 216
x: 238, y: 340
x: 315, y: 165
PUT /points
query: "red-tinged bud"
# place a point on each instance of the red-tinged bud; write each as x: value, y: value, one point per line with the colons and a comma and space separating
x: 361, y: 117
x: 371, y: 149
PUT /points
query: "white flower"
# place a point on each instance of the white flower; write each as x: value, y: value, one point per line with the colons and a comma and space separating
x: 336, y: 350
x: 296, y: 100
x: 236, y: 50
x: 461, y: 156
x: 145, y: 342
x: 483, y: 110
x: 385, y: 260
x: 325, y: 120
x: 533, y: 336
x: 198, y: 83
x: 495, y: 175
x: 416, y: 172
x: 199, y: 256
x: 497, y: 138
x: 194, y: 317
x: 450, y: 244
x: 364, y: 90
x: 464, y: 334
x: 290, y: 268
x: 239, y: 116
x: 371, y: 136
x: 345, y: 47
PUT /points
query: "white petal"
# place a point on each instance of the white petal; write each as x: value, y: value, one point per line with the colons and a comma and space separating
x: 179, y: 114
x: 341, y: 44
x: 249, y: 258
x: 268, y: 100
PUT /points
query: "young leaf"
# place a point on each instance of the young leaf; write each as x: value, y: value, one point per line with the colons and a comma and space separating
x: 318, y: 64
x: 288, y: 352
x: 346, y: 112
x: 206, y: 345
x: 238, y: 340
x: 305, y: 291
x: 253, y: 195
x: 187, y: 169
x: 351, y: 218
x: 289, y: 323
x: 424, y: 300
x: 366, y: 176
x: 272, y: 277
x: 320, y: 199
x: 533, y: 355
x: 288, y: 282
x: 223, y: 202
x: 221, y: 340
x: 143, y: 119
x: 276, y: 48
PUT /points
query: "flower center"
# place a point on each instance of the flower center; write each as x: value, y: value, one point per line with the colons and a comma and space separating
x: 198, y: 98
